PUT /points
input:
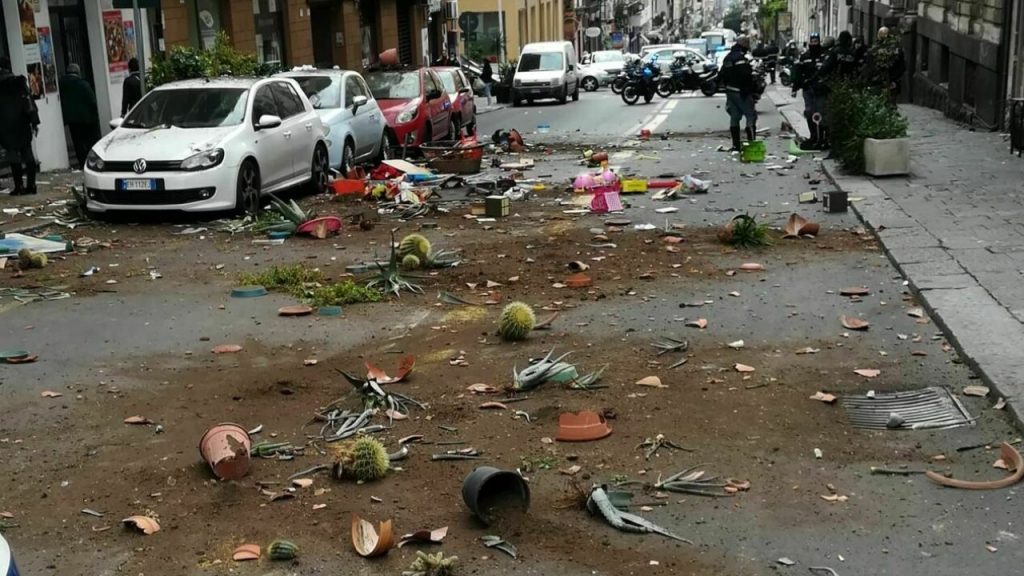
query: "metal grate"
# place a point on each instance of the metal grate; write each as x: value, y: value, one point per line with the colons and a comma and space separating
x: 928, y: 408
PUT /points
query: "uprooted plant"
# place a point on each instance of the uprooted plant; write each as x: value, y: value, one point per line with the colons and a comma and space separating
x: 311, y: 285
x: 547, y: 369
x: 744, y: 231
x: 600, y: 503
x: 364, y: 460
x: 374, y: 397
x: 293, y: 216
x: 432, y: 565
x: 390, y: 279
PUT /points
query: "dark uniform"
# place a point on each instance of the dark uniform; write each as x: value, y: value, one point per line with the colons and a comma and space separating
x: 806, y: 77
x: 841, y: 62
x: 738, y: 78
x: 20, y: 120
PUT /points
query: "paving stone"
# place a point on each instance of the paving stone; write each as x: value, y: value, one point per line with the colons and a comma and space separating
x: 916, y: 255
x: 947, y: 282
x: 939, y: 268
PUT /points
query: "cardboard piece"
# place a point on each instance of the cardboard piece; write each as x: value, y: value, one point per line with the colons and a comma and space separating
x: 14, y: 242
x: 407, y: 167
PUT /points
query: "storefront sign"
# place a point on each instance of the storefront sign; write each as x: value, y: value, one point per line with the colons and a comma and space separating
x: 113, y: 34
x: 49, y: 67
x: 434, y: 5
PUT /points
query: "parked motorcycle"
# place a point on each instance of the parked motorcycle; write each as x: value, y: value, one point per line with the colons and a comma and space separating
x: 644, y: 83
x: 786, y: 71
x: 760, y: 83
x: 685, y: 78
x: 629, y: 70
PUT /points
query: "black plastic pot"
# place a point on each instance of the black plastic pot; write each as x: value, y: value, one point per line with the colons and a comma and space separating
x: 503, y: 93
x: 487, y: 486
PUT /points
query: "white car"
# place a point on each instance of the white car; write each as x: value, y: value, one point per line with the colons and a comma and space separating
x: 212, y: 144
x: 355, y: 126
x: 600, y: 68
x: 666, y: 53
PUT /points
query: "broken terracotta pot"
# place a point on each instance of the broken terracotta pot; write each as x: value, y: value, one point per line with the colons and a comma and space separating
x: 482, y: 389
x: 320, y: 227
x: 247, y: 552
x: 1010, y: 456
x: 295, y: 310
x: 582, y: 427
x: 143, y: 524
x: 226, y: 349
x: 425, y: 536
x: 404, y: 369
x: 743, y: 368
x: 369, y: 542
x: 854, y: 323
x: 867, y: 372
x: 546, y: 323
x: 651, y: 382
x: 579, y: 281
x: 855, y: 291
x: 798, y: 226
x: 225, y: 447
x: 752, y: 267
x: 492, y: 406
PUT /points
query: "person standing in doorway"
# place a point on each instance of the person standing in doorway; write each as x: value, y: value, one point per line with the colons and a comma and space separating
x: 19, y: 118
x: 131, y: 92
x: 78, y: 103
x: 738, y: 77
x: 487, y: 77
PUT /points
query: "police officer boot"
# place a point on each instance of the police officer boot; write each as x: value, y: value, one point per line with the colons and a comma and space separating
x: 17, y: 173
x: 823, y: 139
x: 751, y: 132
x: 737, y: 145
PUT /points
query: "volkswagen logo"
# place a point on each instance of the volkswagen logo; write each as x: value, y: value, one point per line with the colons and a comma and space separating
x: 139, y: 166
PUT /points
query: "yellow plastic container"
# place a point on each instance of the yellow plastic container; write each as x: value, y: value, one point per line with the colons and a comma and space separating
x: 634, y: 186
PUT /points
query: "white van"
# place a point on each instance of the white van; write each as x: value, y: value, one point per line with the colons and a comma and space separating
x: 546, y: 70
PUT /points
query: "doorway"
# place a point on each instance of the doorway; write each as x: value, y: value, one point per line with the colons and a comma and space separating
x: 71, y: 46
x: 322, y: 19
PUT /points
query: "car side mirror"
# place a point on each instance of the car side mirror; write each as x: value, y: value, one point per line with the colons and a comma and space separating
x: 358, y: 102
x: 268, y: 121
x: 116, y: 123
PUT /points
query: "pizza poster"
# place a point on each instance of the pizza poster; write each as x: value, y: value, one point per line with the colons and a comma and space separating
x: 113, y: 34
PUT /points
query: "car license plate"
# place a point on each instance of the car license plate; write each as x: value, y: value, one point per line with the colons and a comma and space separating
x: 138, y: 184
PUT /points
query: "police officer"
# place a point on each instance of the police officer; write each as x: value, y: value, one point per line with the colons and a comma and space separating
x: 738, y: 78
x: 806, y: 78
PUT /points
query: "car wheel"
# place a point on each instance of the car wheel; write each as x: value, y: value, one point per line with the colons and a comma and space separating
x: 387, y: 143
x: 247, y: 193
x: 348, y: 158
x: 565, y: 95
x: 454, y: 132
x: 590, y: 84
x: 320, y: 171
x: 576, y: 93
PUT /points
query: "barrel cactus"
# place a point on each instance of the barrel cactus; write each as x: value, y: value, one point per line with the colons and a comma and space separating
x: 369, y: 460
x: 516, y: 322
x: 282, y: 550
x: 415, y: 244
x: 410, y: 262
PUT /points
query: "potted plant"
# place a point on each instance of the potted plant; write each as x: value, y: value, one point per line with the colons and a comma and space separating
x: 869, y: 134
x: 503, y: 88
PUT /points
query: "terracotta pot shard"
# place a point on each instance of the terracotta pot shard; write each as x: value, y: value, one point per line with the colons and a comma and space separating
x: 855, y: 291
x: 493, y: 406
x: 295, y: 310
x: 226, y: 349
x: 143, y: 524
x: 743, y: 368
x: 225, y: 447
x: 370, y: 542
x: 1010, y: 456
x: 867, y: 372
x: 854, y: 323
x: 582, y: 427
x: 752, y: 267
x: 435, y: 536
x: 247, y: 552
x: 404, y: 369
x: 798, y: 226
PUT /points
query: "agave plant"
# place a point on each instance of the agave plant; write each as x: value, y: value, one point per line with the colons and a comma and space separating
x: 390, y: 279
x: 293, y: 216
x: 375, y: 397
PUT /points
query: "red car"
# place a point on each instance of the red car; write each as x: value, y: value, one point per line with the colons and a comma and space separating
x: 461, y: 93
x: 415, y: 104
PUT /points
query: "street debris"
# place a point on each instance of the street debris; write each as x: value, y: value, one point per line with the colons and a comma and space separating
x: 855, y: 291
x: 693, y: 481
x: 404, y: 369
x: 867, y: 372
x: 854, y: 323
x: 368, y: 541
x: 701, y: 323
x: 736, y: 345
x: 798, y: 227
x: 652, y: 445
x: 143, y: 524
x: 599, y: 503
x: 492, y: 494
x: 808, y: 350
x: 584, y: 426
x: 138, y: 420
x: 670, y: 344
x: 50, y: 394
x: 651, y: 382
x: 432, y: 565
x: 226, y: 349
x: 282, y: 550
x: 424, y: 537
x: 247, y: 552
x: 225, y: 448
x: 744, y: 231
x: 375, y: 397
x: 824, y: 397
x: 743, y: 367
x: 785, y: 561
x: 823, y: 569
x: 499, y: 543
x: 974, y: 390
x: 1009, y: 455
x: 927, y: 408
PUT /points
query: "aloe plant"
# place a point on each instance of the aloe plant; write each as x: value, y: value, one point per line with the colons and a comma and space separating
x: 390, y: 279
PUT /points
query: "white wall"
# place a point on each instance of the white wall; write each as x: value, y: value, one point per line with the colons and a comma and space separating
x: 109, y: 87
x: 50, y: 145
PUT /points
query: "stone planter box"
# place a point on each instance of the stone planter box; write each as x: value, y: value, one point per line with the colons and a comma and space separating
x: 887, y: 157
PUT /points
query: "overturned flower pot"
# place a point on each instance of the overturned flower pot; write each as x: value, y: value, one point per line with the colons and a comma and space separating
x: 492, y: 494
x: 225, y: 447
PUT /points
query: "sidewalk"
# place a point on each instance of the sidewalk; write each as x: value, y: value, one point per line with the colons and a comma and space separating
x: 954, y: 229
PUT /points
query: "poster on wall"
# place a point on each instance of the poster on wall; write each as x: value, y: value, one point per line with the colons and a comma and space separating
x: 129, y: 39
x: 35, y: 80
x: 29, y: 38
x: 113, y: 33
x: 47, y: 60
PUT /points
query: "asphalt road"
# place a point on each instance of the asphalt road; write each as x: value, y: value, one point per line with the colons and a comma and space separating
x: 604, y: 114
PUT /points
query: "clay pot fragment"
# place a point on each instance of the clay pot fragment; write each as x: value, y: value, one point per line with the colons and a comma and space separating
x: 370, y: 542
x: 247, y: 552
x: 582, y: 427
x: 404, y: 369
x: 854, y: 323
x: 1010, y: 456
x: 798, y: 226
x: 143, y: 524
x: 424, y: 536
x: 225, y: 447
x: 226, y: 349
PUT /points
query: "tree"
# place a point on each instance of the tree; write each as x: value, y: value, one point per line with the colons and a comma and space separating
x: 733, y: 19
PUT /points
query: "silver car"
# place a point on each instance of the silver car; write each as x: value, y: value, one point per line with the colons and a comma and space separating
x: 354, y: 124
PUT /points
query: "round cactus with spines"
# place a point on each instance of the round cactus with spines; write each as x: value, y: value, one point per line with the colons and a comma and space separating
x: 516, y: 322
x: 411, y: 262
x: 416, y: 245
x: 282, y: 550
x: 369, y: 460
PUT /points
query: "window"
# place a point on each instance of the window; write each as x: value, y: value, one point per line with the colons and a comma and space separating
x: 451, y: 81
x: 323, y: 91
x: 970, y: 77
x: 944, y: 65
x: 607, y: 56
x: 288, y: 102
x: 352, y: 89
x: 263, y: 105
x: 394, y: 85
x: 540, y: 62
x: 189, y: 108
x: 269, y: 29
x: 208, y: 21
x: 924, y: 52
x: 432, y: 83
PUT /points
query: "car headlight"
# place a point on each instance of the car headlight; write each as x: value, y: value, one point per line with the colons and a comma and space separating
x: 410, y: 112
x: 94, y: 162
x: 517, y: 83
x: 203, y: 160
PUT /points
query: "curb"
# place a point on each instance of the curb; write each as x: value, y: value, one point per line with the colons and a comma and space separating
x: 488, y: 110
x: 979, y: 328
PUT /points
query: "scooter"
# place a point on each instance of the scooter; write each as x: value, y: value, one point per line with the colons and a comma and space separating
x: 786, y: 71
x: 631, y: 69
x: 643, y: 84
x: 685, y: 78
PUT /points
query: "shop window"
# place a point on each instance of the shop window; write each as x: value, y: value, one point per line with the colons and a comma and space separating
x: 208, y: 22
x: 970, y: 77
x: 269, y: 18
x: 925, y: 54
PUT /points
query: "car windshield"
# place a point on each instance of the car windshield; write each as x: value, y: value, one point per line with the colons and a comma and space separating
x: 189, y: 108
x: 540, y: 62
x: 611, y: 56
x: 322, y: 91
x: 448, y: 79
x: 394, y: 85
x: 715, y: 40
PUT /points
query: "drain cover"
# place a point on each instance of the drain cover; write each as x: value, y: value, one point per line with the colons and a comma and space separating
x: 931, y: 407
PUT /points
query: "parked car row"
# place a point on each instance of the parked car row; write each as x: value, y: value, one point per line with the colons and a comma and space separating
x: 225, y: 143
